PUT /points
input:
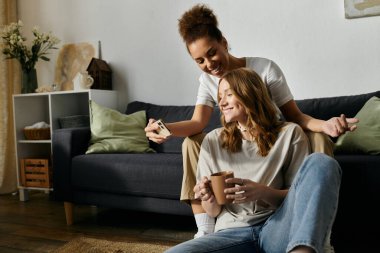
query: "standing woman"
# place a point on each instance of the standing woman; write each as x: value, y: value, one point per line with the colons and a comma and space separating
x: 209, y: 49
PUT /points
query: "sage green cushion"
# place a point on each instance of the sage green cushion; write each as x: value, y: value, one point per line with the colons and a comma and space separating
x: 114, y: 132
x: 366, y: 138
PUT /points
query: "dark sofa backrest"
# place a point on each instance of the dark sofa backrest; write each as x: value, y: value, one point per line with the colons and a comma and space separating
x: 328, y: 107
x: 321, y: 108
x: 170, y: 113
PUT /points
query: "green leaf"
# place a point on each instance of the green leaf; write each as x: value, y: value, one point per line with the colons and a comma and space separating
x: 45, y: 58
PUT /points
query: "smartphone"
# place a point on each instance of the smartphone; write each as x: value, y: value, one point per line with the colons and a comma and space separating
x: 163, y: 130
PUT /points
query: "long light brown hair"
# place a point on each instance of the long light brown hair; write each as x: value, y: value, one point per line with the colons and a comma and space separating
x: 262, y: 117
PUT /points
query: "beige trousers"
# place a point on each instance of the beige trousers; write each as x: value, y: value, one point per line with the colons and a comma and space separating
x: 191, y: 147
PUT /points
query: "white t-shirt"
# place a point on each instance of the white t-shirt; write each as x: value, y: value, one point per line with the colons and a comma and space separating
x: 276, y: 170
x: 269, y: 72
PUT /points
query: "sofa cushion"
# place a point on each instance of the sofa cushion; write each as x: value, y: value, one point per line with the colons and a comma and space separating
x: 171, y: 113
x: 112, y: 131
x: 149, y: 174
x: 366, y: 138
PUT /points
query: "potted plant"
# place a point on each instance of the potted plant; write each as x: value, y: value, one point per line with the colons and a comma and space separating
x: 14, y: 47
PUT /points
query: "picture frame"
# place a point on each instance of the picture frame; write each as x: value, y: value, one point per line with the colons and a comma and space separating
x: 361, y: 8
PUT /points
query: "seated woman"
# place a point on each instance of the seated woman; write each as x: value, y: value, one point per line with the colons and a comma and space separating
x: 284, y: 200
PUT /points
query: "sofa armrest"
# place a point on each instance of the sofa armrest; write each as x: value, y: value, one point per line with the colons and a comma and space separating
x: 67, y: 143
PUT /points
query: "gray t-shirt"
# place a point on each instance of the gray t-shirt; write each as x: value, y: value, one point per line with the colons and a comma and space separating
x: 276, y: 170
x: 269, y: 72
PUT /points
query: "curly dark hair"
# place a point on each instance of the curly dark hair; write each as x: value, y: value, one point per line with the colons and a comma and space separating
x: 199, y: 22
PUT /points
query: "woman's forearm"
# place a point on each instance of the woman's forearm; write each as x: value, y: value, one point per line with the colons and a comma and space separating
x: 185, y: 128
x: 309, y: 123
x: 292, y: 113
x: 199, y: 120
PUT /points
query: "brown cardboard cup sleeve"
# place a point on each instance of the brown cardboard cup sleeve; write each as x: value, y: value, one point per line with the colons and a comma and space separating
x: 218, y: 184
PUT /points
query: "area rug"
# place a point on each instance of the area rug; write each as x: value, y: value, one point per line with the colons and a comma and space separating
x: 91, y: 245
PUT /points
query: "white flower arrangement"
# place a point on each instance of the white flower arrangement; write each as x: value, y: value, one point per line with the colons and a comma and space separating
x: 15, y: 47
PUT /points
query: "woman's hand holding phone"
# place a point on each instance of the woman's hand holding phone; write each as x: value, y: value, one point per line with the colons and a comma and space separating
x: 157, y: 131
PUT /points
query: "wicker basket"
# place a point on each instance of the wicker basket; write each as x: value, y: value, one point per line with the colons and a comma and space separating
x: 37, y: 133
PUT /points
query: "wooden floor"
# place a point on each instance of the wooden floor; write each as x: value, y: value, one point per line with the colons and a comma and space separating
x: 39, y: 225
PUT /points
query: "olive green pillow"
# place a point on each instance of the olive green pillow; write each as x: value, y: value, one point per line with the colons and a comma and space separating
x: 366, y: 138
x: 114, y: 132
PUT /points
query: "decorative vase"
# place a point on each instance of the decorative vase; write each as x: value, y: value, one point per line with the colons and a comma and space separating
x: 29, y: 81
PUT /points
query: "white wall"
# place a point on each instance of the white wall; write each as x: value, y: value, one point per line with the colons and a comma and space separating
x: 320, y: 52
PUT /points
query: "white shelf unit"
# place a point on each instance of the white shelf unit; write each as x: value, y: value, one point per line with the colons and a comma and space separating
x: 49, y: 107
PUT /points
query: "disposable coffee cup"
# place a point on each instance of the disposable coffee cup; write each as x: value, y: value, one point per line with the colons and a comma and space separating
x: 218, y: 184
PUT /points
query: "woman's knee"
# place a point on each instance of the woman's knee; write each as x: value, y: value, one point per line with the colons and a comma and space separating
x: 320, y: 143
x: 193, y: 142
x: 323, y: 165
x: 186, y: 143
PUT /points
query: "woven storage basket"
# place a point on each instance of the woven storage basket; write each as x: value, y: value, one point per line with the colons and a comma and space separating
x: 37, y: 133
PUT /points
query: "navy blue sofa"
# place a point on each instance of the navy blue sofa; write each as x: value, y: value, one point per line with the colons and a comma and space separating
x: 151, y: 182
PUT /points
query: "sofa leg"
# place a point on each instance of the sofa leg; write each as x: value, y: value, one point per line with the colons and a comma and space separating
x: 69, y: 209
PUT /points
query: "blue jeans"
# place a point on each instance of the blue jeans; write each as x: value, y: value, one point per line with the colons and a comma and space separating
x: 304, y: 218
